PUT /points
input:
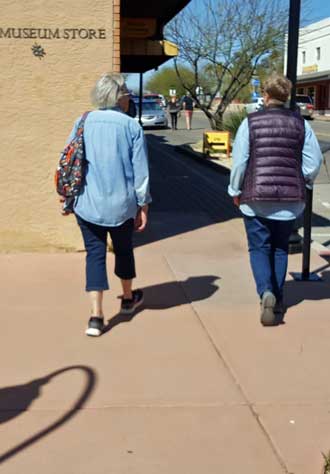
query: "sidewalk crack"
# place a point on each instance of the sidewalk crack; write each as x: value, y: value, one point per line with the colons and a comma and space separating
x: 233, y: 377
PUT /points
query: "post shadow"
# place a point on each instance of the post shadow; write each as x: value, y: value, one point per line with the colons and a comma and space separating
x: 297, y: 292
x: 169, y: 295
x: 17, y: 399
x: 320, y: 221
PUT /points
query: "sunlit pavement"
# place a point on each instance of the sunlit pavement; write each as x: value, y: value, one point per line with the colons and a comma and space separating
x: 192, y: 383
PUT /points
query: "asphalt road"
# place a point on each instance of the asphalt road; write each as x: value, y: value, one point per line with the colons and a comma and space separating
x: 322, y: 130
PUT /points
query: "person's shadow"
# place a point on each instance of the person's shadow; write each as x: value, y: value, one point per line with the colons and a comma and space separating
x: 297, y: 291
x: 170, y: 294
x: 15, y: 400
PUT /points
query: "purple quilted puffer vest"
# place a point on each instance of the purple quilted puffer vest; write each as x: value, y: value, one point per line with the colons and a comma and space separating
x: 274, y: 171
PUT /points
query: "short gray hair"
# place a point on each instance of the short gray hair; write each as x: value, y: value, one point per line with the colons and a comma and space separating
x: 278, y: 87
x: 108, y: 90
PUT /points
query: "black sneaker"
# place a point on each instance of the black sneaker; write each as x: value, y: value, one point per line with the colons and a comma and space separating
x: 280, y: 307
x: 280, y: 310
x: 267, y: 305
x: 95, y: 326
x: 129, y: 306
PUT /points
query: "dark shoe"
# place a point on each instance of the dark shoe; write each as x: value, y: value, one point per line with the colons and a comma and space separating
x: 267, y: 305
x: 279, y: 307
x: 129, y: 306
x: 280, y: 310
x: 95, y: 327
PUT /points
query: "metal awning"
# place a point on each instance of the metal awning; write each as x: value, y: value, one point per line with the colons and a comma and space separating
x: 315, y: 77
x: 143, y: 55
x: 142, y: 45
x: 164, y: 11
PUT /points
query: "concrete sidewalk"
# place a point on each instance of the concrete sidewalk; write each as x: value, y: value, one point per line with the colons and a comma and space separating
x: 191, y: 384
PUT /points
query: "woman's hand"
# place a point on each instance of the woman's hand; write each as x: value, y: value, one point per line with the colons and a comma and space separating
x: 141, y: 219
x: 63, y: 212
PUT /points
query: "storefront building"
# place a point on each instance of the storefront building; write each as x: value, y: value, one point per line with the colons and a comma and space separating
x: 51, y: 54
x: 314, y: 64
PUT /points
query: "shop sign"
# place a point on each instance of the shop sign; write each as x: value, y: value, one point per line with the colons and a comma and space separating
x: 52, y: 33
x: 37, y: 34
x: 309, y: 69
x: 138, y: 27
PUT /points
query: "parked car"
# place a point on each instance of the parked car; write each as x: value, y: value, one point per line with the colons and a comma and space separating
x: 256, y: 105
x: 153, y: 115
x: 159, y: 98
x: 305, y: 104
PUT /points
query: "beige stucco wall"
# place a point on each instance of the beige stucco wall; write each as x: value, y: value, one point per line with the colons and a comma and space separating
x: 40, y: 99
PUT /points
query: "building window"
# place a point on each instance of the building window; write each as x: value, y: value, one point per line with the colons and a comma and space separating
x: 300, y: 90
x: 304, y: 57
x: 318, y: 53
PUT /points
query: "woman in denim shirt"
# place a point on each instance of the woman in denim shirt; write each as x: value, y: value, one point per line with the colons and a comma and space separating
x: 115, y: 196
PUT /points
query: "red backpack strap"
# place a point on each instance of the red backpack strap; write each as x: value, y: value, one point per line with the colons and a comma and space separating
x: 84, y: 117
x: 82, y: 123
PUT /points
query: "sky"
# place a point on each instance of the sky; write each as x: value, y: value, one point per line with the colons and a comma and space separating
x: 311, y: 11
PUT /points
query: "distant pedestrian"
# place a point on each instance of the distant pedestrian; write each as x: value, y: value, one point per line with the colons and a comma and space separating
x: 275, y: 156
x: 173, y: 109
x: 115, y: 197
x: 188, y: 107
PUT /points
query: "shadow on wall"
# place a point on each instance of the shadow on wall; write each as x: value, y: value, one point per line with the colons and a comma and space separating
x: 17, y: 399
x: 169, y: 295
x: 186, y: 195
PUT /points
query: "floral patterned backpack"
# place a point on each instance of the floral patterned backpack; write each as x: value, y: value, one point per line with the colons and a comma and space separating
x: 70, y: 173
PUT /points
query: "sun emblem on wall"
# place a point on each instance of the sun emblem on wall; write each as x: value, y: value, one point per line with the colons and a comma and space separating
x: 38, y: 51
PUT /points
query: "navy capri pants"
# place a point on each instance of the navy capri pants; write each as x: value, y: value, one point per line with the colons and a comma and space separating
x: 95, y: 239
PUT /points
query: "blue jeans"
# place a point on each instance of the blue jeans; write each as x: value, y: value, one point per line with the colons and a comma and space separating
x: 95, y: 239
x: 268, y: 241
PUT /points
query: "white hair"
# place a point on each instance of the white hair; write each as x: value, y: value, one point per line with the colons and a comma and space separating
x: 108, y: 90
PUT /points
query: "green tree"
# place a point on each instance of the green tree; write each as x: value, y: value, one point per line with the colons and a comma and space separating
x: 274, y: 62
x: 165, y: 79
x: 227, y: 39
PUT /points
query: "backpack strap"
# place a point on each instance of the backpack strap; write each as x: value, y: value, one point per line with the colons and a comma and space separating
x: 81, y: 124
x: 84, y: 117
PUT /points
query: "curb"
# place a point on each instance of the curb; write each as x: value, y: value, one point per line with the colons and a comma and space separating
x: 186, y: 150
x: 319, y: 248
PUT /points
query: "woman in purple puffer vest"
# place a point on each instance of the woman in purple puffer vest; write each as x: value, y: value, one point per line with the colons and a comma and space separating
x: 276, y: 155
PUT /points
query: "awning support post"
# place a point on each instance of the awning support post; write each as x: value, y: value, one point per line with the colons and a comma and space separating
x: 293, y: 42
x: 295, y: 241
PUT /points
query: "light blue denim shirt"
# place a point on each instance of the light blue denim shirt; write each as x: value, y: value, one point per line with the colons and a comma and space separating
x: 311, y: 163
x: 117, y: 177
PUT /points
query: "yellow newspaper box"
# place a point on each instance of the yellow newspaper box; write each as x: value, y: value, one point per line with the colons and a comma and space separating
x: 216, y: 141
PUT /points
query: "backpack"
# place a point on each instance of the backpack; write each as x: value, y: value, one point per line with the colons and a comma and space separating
x: 70, y: 173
